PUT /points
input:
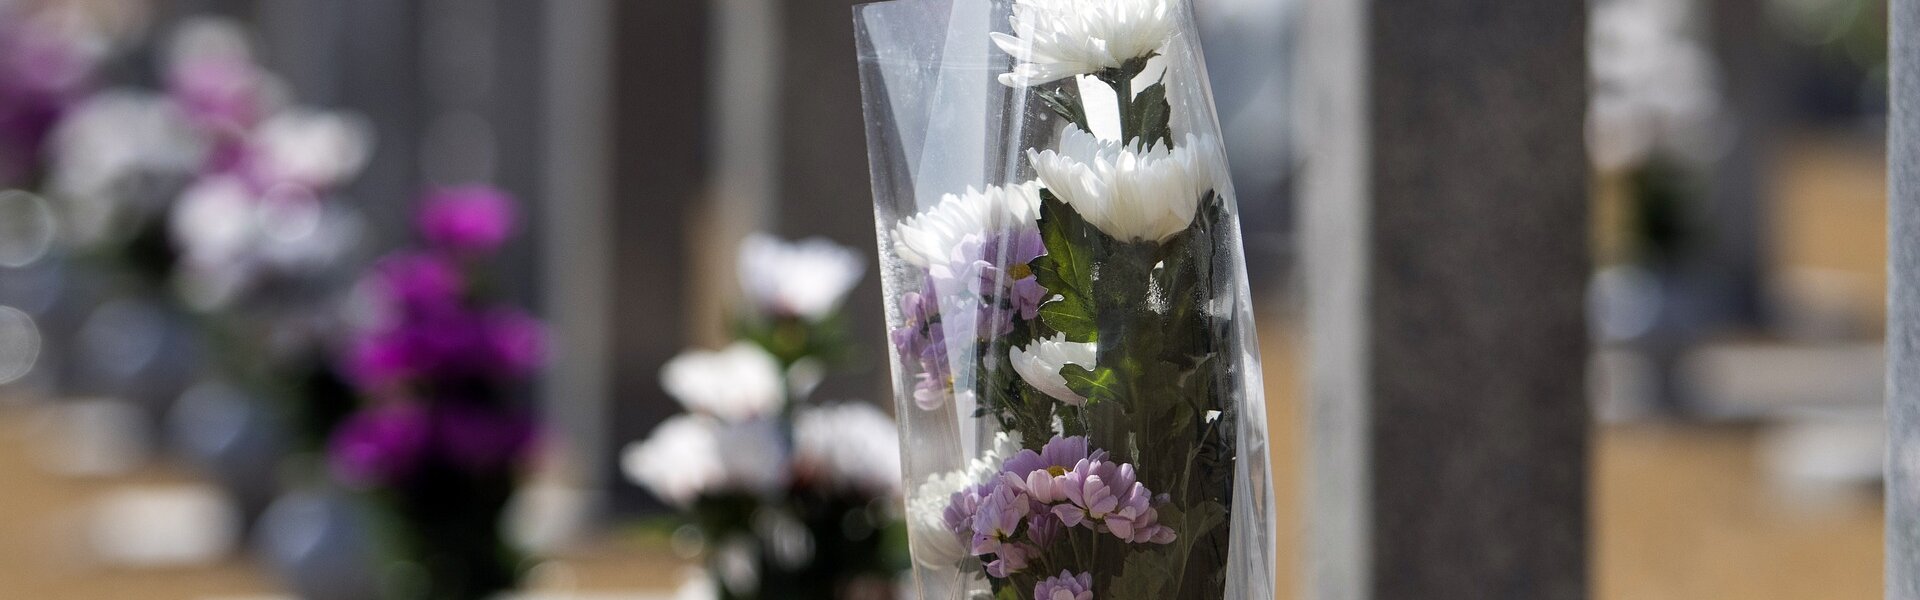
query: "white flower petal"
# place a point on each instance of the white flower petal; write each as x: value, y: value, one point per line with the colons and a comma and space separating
x: 1055, y: 39
x: 1040, y: 363
x: 808, y: 278
x: 928, y: 238
x: 1131, y: 193
x: 853, y: 444
x: 734, y: 384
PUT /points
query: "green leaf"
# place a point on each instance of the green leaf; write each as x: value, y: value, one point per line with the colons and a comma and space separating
x: 1146, y: 575
x: 1066, y: 270
x: 1150, y: 115
x: 1098, y: 385
x: 1065, y: 101
x: 1007, y: 592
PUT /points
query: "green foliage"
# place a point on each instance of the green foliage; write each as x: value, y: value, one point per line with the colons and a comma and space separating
x: 1064, y: 100
x: 1066, y: 270
x: 1150, y: 117
x: 1098, y: 385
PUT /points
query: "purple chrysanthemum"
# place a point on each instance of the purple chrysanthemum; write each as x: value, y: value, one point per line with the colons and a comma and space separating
x: 1108, y: 498
x: 1065, y: 586
x: 380, y: 446
x: 419, y: 282
x: 467, y: 219
x: 998, y: 519
x: 482, y: 439
x: 1011, y: 558
x: 1044, y: 529
x: 961, y: 509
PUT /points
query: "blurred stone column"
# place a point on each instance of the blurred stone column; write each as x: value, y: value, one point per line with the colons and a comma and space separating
x: 660, y: 149
x: 824, y: 185
x: 1446, y: 227
x: 1738, y: 206
x: 1903, y: 307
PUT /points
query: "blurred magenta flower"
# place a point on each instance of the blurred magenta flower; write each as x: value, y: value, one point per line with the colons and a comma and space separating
x: 418, y: 283
x: 380, y: 446
x: 467, y: 219
x: 43, y: 72
x: 483, y: 439
x: 516, y: 342
x: 223, y: 94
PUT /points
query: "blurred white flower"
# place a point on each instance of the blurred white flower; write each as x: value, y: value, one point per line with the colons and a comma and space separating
x: 1131, y: 193
x: 688, y: 456
x: 111, y: 146
x: 1055, y: 39
x: 931, y: 236
x: 1655, y: 86
x: 737, y: 383
x: 1040, y: 362
x: 312, y: 148
x: 853, y: 444
x: 214, y: 220
x: 207, y: 38
x: 697, y: 586
x: 807, y: 279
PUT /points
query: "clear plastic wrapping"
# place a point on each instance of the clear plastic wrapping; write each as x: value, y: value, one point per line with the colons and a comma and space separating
x: 1075, y: 367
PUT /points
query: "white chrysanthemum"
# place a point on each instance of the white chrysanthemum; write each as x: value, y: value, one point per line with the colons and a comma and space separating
x: 739, y: 382
x: 313, y: 148
x: 807, y: 279
x: 1655, y: 87
x: 214, y: 220
x: 1056, y: 39
x: 109, y: 145
x: 691, y: 455
x: 853, y: 444
x: 929, y: 238
x: 1131, y: 193
x: 1005, y: 445
x: 933, y: 544
x: 1040, y: 362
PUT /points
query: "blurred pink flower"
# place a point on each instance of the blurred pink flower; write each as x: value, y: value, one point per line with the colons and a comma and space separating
x: 468, y: 219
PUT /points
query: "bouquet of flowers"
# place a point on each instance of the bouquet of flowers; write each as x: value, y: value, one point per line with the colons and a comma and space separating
x: 441, y: 364
x: 215, y: 186
x: 792, y: 499
x: 1073, y: 341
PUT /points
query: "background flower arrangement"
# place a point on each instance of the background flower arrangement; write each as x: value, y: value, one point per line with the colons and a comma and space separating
x: 441, y: 364
x: 1084, y: 325
x: 791, y: 498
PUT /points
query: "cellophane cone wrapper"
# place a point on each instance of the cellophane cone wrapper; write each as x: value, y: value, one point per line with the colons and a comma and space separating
x: 1074, y: 361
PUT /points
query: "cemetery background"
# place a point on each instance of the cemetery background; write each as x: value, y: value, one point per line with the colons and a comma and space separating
x: 1735, y: 441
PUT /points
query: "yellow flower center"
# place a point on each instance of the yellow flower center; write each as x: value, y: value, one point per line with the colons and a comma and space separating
x: 1019, y: 271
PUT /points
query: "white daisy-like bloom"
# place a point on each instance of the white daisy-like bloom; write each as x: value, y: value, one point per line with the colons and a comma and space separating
x: 313, y: 148
x: 734, y: 384
x: 807, y: 278
x: 110, y: 144
x: 1129, y: 192
x: 1040, y: 362
x: 932, y: 543
x: 688, y: 456
x: 215, y: 220
x: 1655, y: 87
x: 929, y: 238
x: 1056, y: 39
x: 853, y: 444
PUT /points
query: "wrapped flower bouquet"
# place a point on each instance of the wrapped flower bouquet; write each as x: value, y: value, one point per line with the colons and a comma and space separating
x: 1073, y: 346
